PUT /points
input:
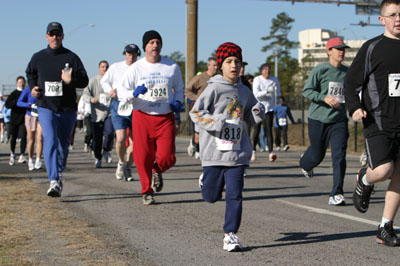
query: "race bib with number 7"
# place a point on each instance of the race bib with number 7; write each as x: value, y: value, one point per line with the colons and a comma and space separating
x: 53, y: 88
x: 336, y: 90
x: 394, y: 85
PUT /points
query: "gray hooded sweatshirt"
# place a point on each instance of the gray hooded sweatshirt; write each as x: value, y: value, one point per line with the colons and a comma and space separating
x: 218, y: 114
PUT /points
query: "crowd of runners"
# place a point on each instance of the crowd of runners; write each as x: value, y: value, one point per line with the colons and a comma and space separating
x: 132, y: 105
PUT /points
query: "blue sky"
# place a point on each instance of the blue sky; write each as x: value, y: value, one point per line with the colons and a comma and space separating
x: 23, y: 26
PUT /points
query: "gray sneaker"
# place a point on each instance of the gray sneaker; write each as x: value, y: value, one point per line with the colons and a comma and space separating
x: 157, y: 184
x: 148, y: 199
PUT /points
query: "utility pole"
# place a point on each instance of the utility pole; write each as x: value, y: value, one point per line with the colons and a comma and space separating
x: 191, y: 49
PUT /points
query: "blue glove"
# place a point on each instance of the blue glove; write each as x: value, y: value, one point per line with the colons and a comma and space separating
x: 175, y: 107
x: 139, y: 90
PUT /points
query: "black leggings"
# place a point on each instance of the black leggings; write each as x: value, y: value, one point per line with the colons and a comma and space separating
x: 18, y: 131
x: 267, y: 123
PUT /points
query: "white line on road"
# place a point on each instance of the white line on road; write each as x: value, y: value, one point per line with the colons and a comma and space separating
x: 322, y: 211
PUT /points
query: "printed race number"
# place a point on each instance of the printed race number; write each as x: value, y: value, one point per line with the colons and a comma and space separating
x: 394, y: 85
x: 53, y: 88
x: 336, y: 90
x: 158, y: 93
x: 230, y: 136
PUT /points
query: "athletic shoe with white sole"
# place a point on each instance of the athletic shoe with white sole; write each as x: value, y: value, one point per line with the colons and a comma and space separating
x: 31, y: 165
x: 286, y: 147
x: 54, y: 189
x: 337, y: 200
x: 12, y: 159
x: 362, y: 193
x: 119, y: 174
x: 148, y: 199
x: 231, y: 243
x: 387, y: 236
x: 191, y: 149
x: 21, y: 159
x: 38, y: 164
x: 307, y: 174
x: 97, y: 163
x: 253, y: 156
x: 128, y: 174
x: 107, y: 157
x: 201, y: 181
x: 157, y: 184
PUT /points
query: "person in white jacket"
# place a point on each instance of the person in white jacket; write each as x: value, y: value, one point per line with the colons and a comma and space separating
x: 266, y: 89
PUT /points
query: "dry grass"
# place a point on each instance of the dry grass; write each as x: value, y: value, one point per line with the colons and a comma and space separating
x: 25, y: 238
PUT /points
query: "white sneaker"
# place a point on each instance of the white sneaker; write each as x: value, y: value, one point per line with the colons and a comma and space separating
x: 272, y: 157
x: 278, y: 148
x: 253, y: 156
x: 12, y: 159
x: 119, y: 174
x: 38, y: 164
x: 97, y: 163
x: 148, y: 199
x: 231, y: 243
x: 71, y: 147
x: 128, y: 174
x: 286, y: 147
x: 85, y: 148
x: 191, y: 149
x: 337, y: 200
x: 54, y: 189
x: 31, y: 165
x: 2, y: 139
x: 107, y: 157
x: 201, y: 181
x: 364, y: 159
x: 21, y: 159
x: 197, y: 155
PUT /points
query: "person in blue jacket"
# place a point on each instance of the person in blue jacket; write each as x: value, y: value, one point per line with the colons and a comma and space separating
x: 33, y: 128
x: 282, y: 113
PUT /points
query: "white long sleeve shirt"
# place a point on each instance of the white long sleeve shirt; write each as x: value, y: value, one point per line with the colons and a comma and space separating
x: 112, y: 78
x: 266, y: 91
x: 163, y: 81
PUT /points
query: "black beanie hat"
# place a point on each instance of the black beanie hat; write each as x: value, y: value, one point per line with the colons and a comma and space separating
x: 150, y: 35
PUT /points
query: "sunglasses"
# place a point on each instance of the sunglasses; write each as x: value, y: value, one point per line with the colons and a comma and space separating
x: 54, y: 33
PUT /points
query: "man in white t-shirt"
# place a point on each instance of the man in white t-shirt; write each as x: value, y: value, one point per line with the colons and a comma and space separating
x: 153, y: 86
x: 121, y: 122
x: 266, y: 89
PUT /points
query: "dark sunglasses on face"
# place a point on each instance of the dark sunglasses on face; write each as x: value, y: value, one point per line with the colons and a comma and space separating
x: 56, y: 33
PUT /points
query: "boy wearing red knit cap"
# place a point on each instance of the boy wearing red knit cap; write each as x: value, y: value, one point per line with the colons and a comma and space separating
x: 225, y: 148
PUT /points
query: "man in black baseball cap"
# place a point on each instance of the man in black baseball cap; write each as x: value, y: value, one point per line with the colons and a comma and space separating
x: 55, y: 26
x: 132, y: 48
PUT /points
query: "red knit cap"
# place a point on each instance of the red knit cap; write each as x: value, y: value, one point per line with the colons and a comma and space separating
x: 226, y: 50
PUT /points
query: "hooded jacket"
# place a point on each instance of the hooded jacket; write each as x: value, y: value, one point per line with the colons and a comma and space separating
x: 222, y: 103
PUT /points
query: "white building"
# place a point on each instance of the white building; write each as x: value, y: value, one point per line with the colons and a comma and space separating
x: 312, y: 43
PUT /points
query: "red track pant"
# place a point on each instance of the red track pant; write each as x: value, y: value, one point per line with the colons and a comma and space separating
x: 153, y: 145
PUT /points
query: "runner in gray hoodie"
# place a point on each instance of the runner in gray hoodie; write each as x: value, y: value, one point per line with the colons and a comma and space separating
x: 225, y: 148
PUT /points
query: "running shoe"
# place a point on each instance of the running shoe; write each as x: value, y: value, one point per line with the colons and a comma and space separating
x: 97, y: 163
x: 362, y: 193
x: 148, y: 199
x: 85, y: 148
x: 272, y: 157
x: 119, y: 174
x: 201, y: 181
x: 2, y: 138
x: 307, y: 174
x: 12, y: 159
x: 231, y: 243
x: 286, y: 147
x: 337, y: 200
x: 191, y: 149
x: 278, y: 148
x: 128, y: 174
x: 31, y: 165
x: 107, y: 157
x: 21, y: 159
x: 38, y: 164
x: 253, y: 156
x: 54, y: 189
x: 157, y: 183
x: 197, y: 155
x: 387, y: 236
x: 364, y: 159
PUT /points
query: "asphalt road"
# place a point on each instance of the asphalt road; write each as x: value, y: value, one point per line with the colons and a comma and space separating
x: 286, y: 217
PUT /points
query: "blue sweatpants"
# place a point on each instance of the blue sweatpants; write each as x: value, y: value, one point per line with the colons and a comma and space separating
x: 320, y: 135
x: 214, y: 180
x: 57, y: 129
